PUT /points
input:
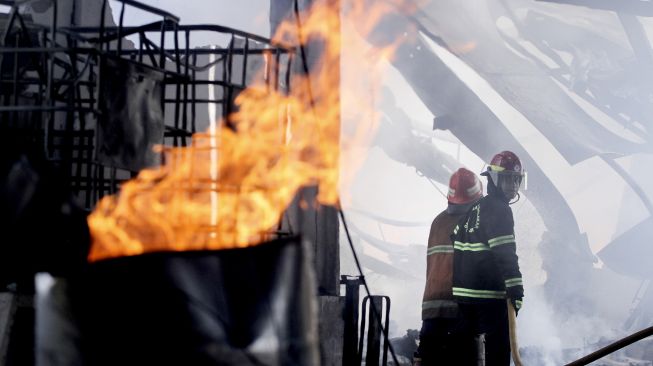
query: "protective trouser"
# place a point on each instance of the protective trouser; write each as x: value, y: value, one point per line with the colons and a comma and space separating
x: 492, y: 320
x: 446, y: 342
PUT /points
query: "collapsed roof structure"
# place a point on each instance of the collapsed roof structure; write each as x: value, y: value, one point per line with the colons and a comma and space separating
x: 564, y: 84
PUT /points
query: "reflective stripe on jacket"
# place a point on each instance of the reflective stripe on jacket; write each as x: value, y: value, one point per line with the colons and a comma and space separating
x: 438, y: 299
x: 485, y: 254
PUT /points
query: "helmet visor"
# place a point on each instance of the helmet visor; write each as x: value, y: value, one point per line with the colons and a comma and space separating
x: 495, y: 173
x: 514, y: 179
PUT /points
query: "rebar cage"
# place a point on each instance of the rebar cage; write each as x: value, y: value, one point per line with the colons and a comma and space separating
x: 94, y: 100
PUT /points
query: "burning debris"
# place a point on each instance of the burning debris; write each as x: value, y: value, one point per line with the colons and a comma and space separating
x: 230, y: 187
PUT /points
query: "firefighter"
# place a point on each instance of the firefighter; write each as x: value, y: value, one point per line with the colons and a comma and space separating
x: 442, y: 339
x: 486, y: 269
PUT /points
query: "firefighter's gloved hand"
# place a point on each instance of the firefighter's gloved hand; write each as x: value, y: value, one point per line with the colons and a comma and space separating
x: 515, y: 294
x: 516, y: 304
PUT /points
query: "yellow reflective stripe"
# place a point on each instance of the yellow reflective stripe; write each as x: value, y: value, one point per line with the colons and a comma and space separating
x: 481, y: 294
x: 486, y: 292
x: 500, y: 240
x: 494, y: 245
x: 440, y: 249
x: 517, y: 281
x: 472, y: 247
x: 502, y: 237
x: 455, y: 230
x: 518, y: 304
x: 497, y: 168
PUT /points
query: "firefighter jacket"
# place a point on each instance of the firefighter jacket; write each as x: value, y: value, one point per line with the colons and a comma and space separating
x: 485, y: 257
x: 438, y: 300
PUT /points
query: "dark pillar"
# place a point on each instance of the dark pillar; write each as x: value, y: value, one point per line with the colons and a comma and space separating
x: 320, y: 223
x: 374, y: 332
x: 351, y: 315
x: 7, y: 312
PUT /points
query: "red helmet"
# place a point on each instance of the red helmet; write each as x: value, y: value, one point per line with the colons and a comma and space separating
x: 505, y: 162
x: 464, y: 187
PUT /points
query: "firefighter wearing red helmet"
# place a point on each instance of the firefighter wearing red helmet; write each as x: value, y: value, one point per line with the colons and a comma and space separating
x: 442, y: 337
x: 506, y: 173
x: 486, y: 269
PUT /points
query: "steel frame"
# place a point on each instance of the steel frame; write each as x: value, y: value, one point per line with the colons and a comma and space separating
x: 50, y: 77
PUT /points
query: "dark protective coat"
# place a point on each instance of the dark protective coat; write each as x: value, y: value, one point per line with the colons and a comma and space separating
x: 444, y: 340
x: 486, y: 266
x: 438, y: 300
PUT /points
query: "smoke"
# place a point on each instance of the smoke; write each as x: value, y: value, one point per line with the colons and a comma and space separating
x: 579, y: 295
x: 538, y: 336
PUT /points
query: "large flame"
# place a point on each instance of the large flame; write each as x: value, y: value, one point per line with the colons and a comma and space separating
x: 230, y: 187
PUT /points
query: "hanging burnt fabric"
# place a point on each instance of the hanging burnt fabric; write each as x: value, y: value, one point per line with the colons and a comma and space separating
x: 131, y: 122
x: 248, y: 306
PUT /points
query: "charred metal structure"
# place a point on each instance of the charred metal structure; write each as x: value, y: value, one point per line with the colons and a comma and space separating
x: 83, y: 102
x: 516, y: 46
x: 94, y: 103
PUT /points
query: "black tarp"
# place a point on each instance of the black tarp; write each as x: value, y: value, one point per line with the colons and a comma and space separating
x: 231, y: 307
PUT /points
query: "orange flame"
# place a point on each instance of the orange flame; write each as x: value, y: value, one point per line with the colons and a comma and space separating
x: 229, y: 189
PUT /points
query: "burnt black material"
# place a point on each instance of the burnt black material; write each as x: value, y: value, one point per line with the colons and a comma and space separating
x: 132, y: 120
x: 43, y: 229
x: 197, y: 308
x: 20, y: 350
